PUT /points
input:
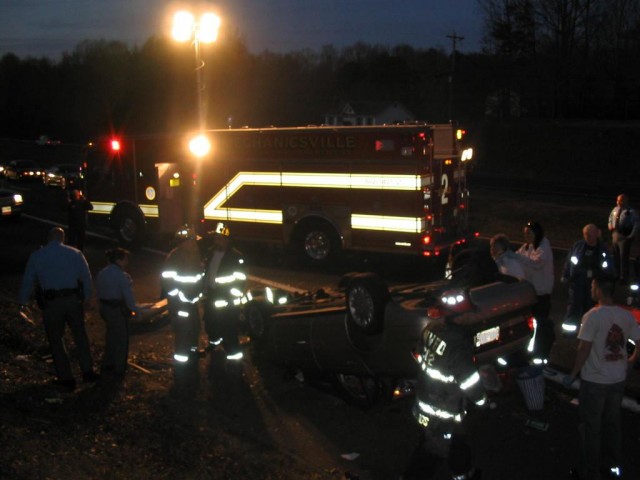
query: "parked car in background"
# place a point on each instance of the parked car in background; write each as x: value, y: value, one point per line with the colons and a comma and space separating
x: 24, y: 170
x: 45, y: 140
x: 11, y: 203
x: 3, y: 167
x: 66, y: 176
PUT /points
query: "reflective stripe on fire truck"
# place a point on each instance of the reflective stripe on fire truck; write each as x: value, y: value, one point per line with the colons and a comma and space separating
x: 104, y: 208
x: 214, y: 210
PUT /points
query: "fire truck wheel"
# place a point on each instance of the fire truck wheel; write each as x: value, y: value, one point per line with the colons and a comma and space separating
x: 319, y: 242
x: 128, y: 226
x: 367, y: 296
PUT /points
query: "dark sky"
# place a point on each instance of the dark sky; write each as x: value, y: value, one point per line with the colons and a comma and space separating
x: 50, y: 27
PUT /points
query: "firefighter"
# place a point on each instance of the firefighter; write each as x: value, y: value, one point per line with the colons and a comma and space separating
x: 447, y: 380
x: 225, y: 280
x: 182, y: 276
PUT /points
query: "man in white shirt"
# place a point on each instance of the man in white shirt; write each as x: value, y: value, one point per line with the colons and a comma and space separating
x: 602, y: 362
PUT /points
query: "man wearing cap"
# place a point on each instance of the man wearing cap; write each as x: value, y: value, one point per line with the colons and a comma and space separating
x: 225, y: 280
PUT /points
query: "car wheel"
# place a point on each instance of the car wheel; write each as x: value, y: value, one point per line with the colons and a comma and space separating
x: 256, y: 320
x: 363, y: 391
x: 367, y: 296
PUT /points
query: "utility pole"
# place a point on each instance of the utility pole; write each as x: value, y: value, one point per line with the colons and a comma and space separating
x: 454, y: 39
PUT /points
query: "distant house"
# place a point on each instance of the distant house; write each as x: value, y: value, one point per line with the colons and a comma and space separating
x: 369, y: 113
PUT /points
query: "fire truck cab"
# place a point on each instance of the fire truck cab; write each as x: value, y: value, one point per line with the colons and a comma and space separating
x: 395, y: 189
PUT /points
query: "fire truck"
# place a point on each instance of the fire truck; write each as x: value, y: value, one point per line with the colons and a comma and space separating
x: 319, y: 190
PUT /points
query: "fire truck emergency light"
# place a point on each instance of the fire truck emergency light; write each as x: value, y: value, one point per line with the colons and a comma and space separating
x: 115, y: 145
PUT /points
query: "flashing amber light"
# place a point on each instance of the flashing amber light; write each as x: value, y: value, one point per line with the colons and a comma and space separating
x: 460, y: 133
x: 115, y: 145
x: 448, y: 161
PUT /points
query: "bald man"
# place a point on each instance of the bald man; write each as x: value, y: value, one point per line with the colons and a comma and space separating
x: 587, y: 259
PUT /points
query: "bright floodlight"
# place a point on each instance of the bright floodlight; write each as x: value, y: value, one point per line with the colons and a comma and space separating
x: 208, y: 31
x: 199, y: 145
x: 183, y: 25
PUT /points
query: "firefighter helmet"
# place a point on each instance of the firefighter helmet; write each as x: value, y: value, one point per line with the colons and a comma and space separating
x: 185, y: 232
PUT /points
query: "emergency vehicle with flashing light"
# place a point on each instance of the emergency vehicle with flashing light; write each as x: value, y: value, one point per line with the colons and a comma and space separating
x: 392, y: 189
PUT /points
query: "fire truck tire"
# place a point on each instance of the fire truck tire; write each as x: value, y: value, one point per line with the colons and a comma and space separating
x: 318, y: 242
x: 367, y: 296
x: 128, y: 226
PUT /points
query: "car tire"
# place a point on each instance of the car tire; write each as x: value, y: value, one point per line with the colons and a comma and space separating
x: 367, y: 296
x: 256, y: 315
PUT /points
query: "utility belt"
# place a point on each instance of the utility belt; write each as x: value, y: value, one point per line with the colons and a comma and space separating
x: 63, y: 292
x: 119, y: 304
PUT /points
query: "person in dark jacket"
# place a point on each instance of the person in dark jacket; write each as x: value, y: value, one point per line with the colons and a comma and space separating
x: 225, y: 280
x: 447, y: 380
x: 587, y: 259
x: 77, y: 208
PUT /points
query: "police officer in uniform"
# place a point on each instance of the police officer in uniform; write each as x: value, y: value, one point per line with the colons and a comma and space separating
x: 182, y: 275
x: 624, y: 225
x: 63, y: 275
x: 225, y: 280
x: 447, y: 380
x: 117, y: 304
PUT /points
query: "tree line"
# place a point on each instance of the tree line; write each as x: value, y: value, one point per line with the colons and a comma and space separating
x: 545, y: 59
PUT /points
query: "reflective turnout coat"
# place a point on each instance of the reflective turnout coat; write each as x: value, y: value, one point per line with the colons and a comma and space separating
x: 182, y: 276
x: 447, y: 376
x: 225, y: 280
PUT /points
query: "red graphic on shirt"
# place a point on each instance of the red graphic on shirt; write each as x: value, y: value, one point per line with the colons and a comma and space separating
x: 615, y: 343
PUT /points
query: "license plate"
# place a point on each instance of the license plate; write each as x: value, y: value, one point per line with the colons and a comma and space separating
x: 6, y: 210
x: 487, y: 336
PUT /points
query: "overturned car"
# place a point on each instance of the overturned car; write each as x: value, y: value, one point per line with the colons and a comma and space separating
x: 363, y: 335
